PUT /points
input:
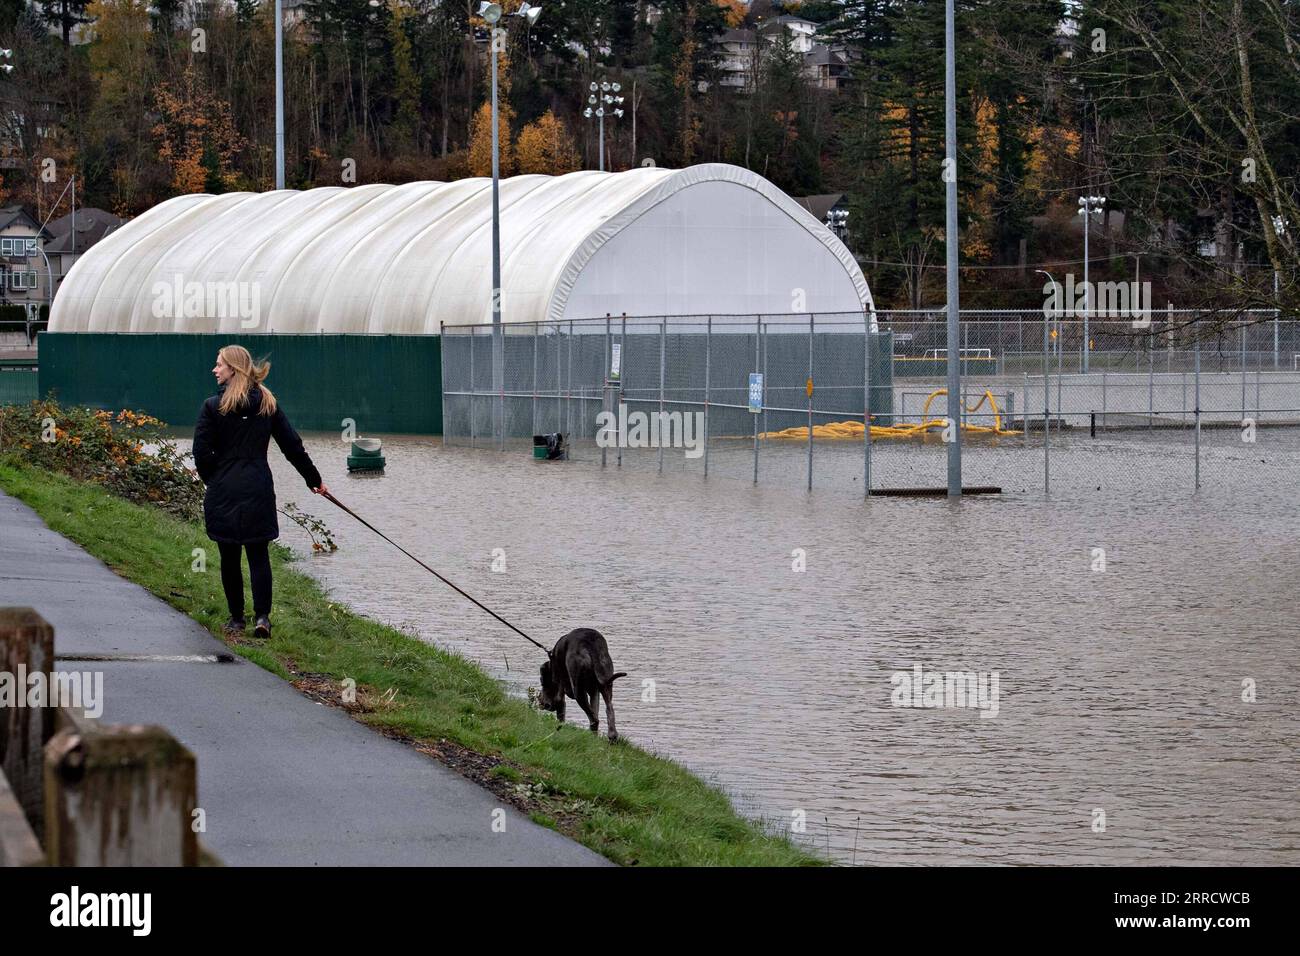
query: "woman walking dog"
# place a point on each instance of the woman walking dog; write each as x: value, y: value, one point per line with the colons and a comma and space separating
x: 230, y: 440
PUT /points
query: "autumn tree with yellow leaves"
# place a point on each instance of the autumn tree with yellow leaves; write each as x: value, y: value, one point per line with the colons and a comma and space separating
x: 546, y: 147
x: 196, y: 136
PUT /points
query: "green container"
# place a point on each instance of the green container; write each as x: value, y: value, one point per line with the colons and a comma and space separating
x: 367, y: 448
x: 365, y: 463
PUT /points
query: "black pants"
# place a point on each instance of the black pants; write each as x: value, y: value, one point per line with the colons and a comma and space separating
x: 232, y: 577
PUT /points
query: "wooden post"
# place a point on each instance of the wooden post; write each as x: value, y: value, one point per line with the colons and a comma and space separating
x: 120, y: 796
x: 26, y: 647
x: 18, y: 843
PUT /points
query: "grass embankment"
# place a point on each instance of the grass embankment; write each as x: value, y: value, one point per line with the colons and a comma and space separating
x: 627, y: 804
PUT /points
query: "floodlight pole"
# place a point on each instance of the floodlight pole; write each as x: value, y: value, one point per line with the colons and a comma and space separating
x: 279, y: 97
x: 1047, y: 399
x: 498, y: 344
x: 1087, y: 206
x: 950, y: 241
x: 1087, y: 288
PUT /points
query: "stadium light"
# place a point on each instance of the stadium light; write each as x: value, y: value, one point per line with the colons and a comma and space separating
x: 602, y: 96
x: 1087, y: 206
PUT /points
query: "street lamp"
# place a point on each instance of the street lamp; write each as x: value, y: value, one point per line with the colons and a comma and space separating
x: 603, y: 94
x: 491, y: 12
x: 1087, y: 206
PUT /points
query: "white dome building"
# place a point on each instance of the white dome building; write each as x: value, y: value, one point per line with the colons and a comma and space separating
x: 711, y: 239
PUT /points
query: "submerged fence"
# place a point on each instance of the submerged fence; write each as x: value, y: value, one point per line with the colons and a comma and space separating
x: 1176, y: 403
x: 619, y: 388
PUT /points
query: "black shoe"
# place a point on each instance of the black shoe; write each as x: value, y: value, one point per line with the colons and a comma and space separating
x: 262, y: 629
x: 233, y: 627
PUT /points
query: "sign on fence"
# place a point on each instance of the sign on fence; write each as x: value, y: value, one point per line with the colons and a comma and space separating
x: 755, y: 392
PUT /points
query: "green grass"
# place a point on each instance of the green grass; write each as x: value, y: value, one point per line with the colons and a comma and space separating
x: 630, y: 805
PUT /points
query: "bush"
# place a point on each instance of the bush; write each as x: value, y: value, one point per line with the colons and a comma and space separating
x: 127, y: 453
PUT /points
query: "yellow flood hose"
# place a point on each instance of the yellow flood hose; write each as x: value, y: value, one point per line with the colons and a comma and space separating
x: 854, y: 429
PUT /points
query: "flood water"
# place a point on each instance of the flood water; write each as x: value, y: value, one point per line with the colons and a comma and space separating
x: 1119, y: 690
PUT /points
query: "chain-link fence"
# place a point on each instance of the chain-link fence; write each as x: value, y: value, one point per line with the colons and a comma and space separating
x: 684, y: 393
x: 1169, y: 404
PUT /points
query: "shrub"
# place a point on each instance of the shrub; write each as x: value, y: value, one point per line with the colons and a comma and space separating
x: 128, y: 453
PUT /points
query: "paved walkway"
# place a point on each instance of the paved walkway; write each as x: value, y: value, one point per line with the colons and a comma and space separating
x: 284, y: 781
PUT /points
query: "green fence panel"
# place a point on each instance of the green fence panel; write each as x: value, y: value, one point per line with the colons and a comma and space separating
x: 385, y: 383
x: 17, y: 384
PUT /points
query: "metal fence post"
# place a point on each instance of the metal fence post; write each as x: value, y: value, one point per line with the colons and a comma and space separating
x: 758, y: 338
x: 760, y: 347
x: 1151, y: 386
x: 1275, y: 336
x: 1047, y: 413
x: 536, y: 330
x: 1198, y: 413
x: 811, y: 320
x: 606, y: 389
x: 1060, y: 412
x: 1103, y: 399
x: 568, y: 394
x: 501, y: 393
x: 442, y: 362
x: 559, y: 377
x: 1243, y: 370
x: 473, y: 431
x: 866, y: 407
x: 623, y: 365
x: 663, y: 339
x: 1024, y: 411
x: 708, y: 363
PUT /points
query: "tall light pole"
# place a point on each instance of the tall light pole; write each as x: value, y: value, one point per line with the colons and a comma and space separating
x: 279, y: 96
x: 491, y: 12
x: 1087, y: 206
x: 950, y: 241
x: 1047, y: 401
x: 603, y: 94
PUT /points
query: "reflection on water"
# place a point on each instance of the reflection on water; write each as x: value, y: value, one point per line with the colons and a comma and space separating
x: 1119, y: 690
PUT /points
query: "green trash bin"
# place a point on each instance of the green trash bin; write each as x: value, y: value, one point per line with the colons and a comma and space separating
x: 367, y: 455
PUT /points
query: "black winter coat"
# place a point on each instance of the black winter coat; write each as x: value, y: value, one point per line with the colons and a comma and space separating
x: 230, y: 455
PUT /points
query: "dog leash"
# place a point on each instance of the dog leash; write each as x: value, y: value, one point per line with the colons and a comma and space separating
x: 462, y: 593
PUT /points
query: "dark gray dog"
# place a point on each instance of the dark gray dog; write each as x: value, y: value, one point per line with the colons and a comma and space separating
x: 580, y: 667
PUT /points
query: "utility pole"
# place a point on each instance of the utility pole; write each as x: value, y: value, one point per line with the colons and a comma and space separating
x: 279, y: 97
x: 950, y: 242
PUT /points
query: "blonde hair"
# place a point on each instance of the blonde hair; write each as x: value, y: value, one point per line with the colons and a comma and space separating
x: 247, y: 374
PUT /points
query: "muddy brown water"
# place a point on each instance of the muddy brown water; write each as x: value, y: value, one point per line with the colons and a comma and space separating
x: 1119, y: 690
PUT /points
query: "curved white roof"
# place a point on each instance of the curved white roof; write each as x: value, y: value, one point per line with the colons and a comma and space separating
x: 709, y: 239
